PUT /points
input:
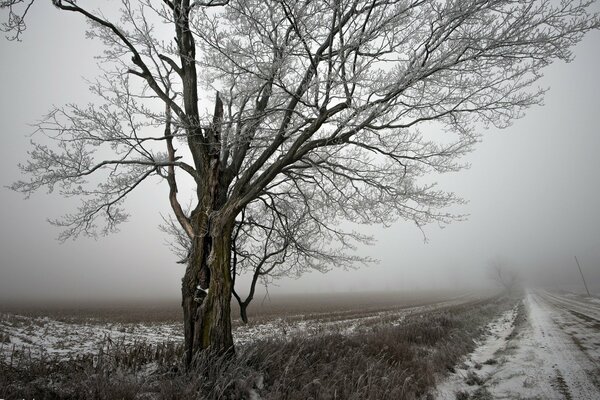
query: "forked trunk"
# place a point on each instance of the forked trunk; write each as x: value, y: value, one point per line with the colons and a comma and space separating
x: 244, y: 312
x: 206, y: 292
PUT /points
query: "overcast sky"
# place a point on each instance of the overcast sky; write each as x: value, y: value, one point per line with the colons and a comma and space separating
x: 533, y: 192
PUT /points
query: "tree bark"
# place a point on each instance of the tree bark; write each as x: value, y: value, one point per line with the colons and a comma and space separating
x: 244, y: 312
x: 206, y: 285
x: 206, y: 292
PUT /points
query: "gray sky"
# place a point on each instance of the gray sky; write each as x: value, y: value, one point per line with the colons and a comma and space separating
x: 533, y: 192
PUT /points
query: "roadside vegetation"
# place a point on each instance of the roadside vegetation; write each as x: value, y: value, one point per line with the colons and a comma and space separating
x: 381, y: 362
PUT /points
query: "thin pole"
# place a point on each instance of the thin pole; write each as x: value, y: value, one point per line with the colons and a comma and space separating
x: 584, y: 284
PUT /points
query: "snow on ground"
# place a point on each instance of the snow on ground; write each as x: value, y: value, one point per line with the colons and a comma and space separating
x: 594, y: 300
x: 479, y: 363
x: 46, y: 336
x: 555, y: 354
x: 581, y: 322
x: 318, y: 325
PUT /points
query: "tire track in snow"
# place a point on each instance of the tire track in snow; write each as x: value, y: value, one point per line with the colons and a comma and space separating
x: 544, y: 359
x: 572, y: 367
x: 586, y: 311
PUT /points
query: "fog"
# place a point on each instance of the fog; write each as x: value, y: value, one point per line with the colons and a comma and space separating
x: 533, y: 193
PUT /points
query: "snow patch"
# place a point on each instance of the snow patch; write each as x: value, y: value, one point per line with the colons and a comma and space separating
x: 481, y: 362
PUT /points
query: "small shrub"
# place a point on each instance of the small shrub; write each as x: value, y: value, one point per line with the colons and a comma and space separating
x: 481, y: 394
x: 4, y: 337
x: 473, y: 379
x: 462, y: 395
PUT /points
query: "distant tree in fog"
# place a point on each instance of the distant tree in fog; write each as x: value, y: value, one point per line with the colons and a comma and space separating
x: 323, y: 112
x: 504, y: 274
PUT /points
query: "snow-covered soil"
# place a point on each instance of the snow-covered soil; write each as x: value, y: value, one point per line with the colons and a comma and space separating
x: 482, y: 362
x: 553, y: 354
x: 45, y: 336
x: 348, y: 323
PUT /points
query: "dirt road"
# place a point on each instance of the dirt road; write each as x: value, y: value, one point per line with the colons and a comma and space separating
x: 566, y: 332
x: 554, y: 353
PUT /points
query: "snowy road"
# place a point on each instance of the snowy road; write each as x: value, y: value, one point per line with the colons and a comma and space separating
x: 582, y: 308
x: 567, y: 345
x: 553, y: 354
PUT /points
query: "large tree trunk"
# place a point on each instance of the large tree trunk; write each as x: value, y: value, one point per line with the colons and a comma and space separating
x: 207, y: 313
x: 206, y: 286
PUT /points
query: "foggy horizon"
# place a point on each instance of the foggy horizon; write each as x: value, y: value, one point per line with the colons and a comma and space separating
x: 532, y: 196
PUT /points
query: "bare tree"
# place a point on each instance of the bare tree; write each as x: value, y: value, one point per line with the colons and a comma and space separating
x: 324, y: 105
x: 504, y: 274
x: 276, y: 239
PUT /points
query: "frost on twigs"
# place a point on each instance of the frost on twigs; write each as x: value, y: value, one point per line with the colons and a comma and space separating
x: 321, y: 113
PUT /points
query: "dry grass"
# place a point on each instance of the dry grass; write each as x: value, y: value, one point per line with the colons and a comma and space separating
x: 384, y: 362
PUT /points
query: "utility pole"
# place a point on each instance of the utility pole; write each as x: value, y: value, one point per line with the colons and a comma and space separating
x: 584, y: 284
